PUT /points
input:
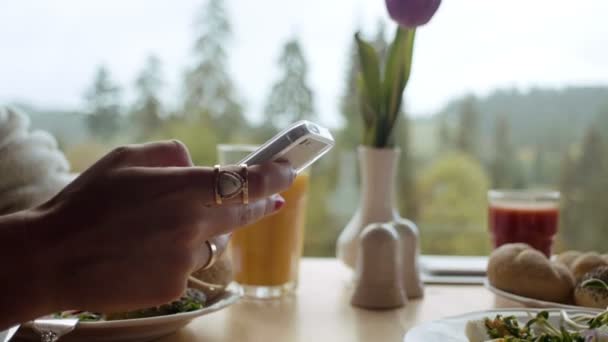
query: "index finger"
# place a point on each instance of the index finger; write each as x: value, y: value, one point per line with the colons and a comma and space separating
x: 262, y: 180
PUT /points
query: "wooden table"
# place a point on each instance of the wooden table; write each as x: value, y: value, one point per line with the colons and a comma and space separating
x: 321, y: 311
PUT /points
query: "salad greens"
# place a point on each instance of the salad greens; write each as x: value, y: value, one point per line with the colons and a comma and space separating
x: 184, y: 304
x: 192, y: 300
x: 83, y: 316
x: 595, y: 283
x: 573, y: 328
x: 599, y: 321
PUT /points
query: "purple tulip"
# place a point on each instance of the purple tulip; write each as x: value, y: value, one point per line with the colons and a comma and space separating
x: 412, y: 13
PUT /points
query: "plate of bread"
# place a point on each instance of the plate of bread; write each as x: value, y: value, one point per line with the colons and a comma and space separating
x: 570, y: 280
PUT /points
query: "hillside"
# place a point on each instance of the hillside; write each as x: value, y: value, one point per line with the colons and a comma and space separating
x: 549, y: 118
x: 68, y: 127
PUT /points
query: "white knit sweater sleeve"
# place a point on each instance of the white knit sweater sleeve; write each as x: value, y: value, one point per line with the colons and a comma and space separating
x: 32, y: 168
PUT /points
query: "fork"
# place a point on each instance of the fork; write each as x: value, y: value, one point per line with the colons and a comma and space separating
x: 50, y: 330
x: 6, y: 336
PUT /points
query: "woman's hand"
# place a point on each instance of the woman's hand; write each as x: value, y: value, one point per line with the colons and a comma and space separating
x: 127, y: 233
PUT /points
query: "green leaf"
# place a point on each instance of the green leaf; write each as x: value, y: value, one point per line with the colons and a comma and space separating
x: 381, y: 100
x: 397, y: 71
x: 599, y: 320
x: 408, y: 55
x: 595, y: 284
x: 368, y: 113
x: 370, y: 70
x: 393, y: 70
x: 566, y: 337
x: 367, y: 110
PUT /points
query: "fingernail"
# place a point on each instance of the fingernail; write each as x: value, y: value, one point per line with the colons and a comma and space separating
x: 279, y: 202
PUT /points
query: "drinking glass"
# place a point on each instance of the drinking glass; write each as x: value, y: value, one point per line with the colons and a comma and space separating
x: 266, y: 254
x: 524, y: 216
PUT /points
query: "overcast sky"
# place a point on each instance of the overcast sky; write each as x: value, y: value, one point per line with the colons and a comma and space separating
x: 50, y: 49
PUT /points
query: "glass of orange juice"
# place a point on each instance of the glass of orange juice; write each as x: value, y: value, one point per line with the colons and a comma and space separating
x: 266, y: 255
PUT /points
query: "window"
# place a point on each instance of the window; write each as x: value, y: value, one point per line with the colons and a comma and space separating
x: 509, y: 94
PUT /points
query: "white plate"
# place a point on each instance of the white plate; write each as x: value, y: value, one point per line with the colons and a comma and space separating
x: 452, y: 329
x: 136, y: 330
x: 531, y: 302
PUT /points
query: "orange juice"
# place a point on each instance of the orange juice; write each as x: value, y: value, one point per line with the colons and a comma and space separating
x: 267, y: 253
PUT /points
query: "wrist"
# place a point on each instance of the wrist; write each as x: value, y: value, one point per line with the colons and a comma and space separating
x: 47, y: 262
x: 28, y: 264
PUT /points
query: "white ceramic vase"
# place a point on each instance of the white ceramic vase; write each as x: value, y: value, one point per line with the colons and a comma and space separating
x: 377, y: 203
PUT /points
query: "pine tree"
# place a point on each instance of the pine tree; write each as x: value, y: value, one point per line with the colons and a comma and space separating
x: 601, y: 122
x: 380, y: 44
x: 443, y: 135
x: 468, y: 130
x: 103, y: 105
x: 352, y: 130
x: 539, y: 165
x: 408, y: 202
x: 584, y: 186
x: 210, y: 92
x: 291, y: 98
x: 567, y: 188
x: 148, y: 109
x: 344, y: 198
x: 503, y: 165
x: 592, y: 154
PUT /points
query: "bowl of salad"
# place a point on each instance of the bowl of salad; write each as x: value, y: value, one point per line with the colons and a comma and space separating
x: 516, y: 325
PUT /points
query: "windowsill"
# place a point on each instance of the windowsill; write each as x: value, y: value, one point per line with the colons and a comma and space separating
x: 444, y: 269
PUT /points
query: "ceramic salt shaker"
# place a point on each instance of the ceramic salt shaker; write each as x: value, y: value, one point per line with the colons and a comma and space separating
x: 410, y: 251
x: 378, y: 273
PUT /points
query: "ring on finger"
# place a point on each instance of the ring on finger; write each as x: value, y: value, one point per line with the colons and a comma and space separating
x: 213, y: 254
x: 228, y: 184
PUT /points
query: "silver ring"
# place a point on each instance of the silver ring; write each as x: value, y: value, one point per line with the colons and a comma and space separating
x: 212, y: 254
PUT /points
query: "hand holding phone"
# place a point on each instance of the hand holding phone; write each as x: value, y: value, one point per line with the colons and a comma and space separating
x: 301, y: 144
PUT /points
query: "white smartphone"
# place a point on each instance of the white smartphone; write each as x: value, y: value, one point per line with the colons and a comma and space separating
x: 301, y: 144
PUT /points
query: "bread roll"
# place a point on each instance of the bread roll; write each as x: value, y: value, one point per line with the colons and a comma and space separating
x: 592, y: 296
x: 568, y: 257
x: 586, y: 263
x: 522, y: 270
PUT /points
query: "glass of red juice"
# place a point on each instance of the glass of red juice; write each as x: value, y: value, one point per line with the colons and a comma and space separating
x: 524, y: 216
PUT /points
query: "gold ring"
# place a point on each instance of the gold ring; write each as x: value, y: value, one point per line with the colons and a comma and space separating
x: 245, y: 190
x: 216, y: 184
x: 228, y: 184
x: 212, y: 254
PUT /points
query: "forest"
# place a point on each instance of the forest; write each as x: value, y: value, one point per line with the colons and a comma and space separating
x: 538, y: 138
